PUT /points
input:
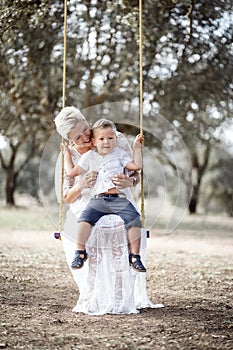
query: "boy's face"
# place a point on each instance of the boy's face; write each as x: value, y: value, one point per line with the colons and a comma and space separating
x: 104, y: 140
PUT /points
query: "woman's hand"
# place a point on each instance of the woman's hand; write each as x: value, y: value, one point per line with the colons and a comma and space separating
x: 124, y: 181
x: 88, y: 180
x: 74, y: 192
x: 64, y: 147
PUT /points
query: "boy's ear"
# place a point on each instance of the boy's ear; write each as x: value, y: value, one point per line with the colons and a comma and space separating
x: 93, y: 141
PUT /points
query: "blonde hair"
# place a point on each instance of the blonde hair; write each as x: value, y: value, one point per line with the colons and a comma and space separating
x: 103, y: 124
x: 67, y: 119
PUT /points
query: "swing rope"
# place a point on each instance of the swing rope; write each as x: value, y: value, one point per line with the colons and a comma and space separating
x: 141, y: 108
x: 61, y: 204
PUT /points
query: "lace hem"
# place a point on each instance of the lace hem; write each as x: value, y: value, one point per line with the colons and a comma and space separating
x: 106, y: 283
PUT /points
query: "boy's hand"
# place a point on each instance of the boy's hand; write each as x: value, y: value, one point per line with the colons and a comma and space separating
x: 139, y: 139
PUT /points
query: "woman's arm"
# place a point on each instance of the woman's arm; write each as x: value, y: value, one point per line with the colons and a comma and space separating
x: 72, y: 194
x: 75, y: 191
x: 124, y: 181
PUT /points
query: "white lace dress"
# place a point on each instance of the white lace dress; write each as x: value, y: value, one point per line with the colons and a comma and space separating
x: 106, y: 283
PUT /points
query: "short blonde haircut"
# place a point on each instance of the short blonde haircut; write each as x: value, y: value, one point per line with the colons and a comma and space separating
x: 67, y: 119
x: 103, y: 124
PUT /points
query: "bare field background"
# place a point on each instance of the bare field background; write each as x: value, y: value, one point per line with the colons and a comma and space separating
x: 189, y: 271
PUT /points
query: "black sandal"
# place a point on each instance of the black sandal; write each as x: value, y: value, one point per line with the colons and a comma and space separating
x: 136, y: 264
x: 78, y: 261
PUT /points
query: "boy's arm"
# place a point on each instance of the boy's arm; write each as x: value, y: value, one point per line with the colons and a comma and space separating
x: 136, y: 163
x: 132, y: 166
x: 70, y: 168
x: 75, y: 171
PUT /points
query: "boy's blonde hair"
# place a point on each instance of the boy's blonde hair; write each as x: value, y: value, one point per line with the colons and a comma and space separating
x: 103, y: 124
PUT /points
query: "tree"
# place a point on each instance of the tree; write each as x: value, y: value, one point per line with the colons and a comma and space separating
x: 186, y: 46
x: 219, y: 189
x: 27, y: 96
x: 31, y: 70
x: 189, y: 80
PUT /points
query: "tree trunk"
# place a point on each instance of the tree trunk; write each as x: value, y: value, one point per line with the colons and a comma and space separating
x: 229, y: 206
x: 194, y: 199
x: 200, y: 169
x: 10, y: 187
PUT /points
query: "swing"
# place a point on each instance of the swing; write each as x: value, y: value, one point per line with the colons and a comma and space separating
x: 57, y: 234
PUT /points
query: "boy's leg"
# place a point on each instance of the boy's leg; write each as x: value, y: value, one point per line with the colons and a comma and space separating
x: 84, y: 230
x: 131, y: 218
x: 134, y: 238
x: 125, y: 209
x: 88, y: 218
x: 83, y: 233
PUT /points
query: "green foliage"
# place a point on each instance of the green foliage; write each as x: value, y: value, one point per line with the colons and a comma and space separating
x: 187, y: 60
x: 218, y: 191
x: 29, y: 31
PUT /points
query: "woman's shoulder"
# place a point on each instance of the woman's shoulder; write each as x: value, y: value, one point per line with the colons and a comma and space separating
x: 123, y: 143
x: 86, y: 157
x: 87, y: 153
x: 75, y: 155
x: 120, y: 136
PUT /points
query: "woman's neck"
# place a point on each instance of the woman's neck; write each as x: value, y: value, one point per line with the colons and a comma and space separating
x: 83, y: 149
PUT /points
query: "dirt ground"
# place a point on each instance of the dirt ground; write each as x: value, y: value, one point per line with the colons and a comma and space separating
x: 189, y: 271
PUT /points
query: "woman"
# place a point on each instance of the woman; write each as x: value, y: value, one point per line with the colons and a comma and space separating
x: 106, y: 283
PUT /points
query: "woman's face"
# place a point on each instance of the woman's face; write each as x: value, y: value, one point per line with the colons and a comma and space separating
x: 81, y: 136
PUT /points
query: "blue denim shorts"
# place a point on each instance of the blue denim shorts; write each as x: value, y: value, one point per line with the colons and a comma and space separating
x: 101, y: 206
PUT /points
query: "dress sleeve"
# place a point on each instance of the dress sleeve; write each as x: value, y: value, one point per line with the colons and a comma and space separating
x: 84, y: 160
x: 69, y: 181
x: 123, y: 144
x: 125, y: 158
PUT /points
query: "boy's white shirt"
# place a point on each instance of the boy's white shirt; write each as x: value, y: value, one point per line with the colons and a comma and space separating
x: 107, y: 166
x: 80, y: 204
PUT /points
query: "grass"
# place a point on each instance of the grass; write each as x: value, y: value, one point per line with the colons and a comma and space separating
x: 25, y: 218
x: 194, y: 224
x: 36, y: 218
